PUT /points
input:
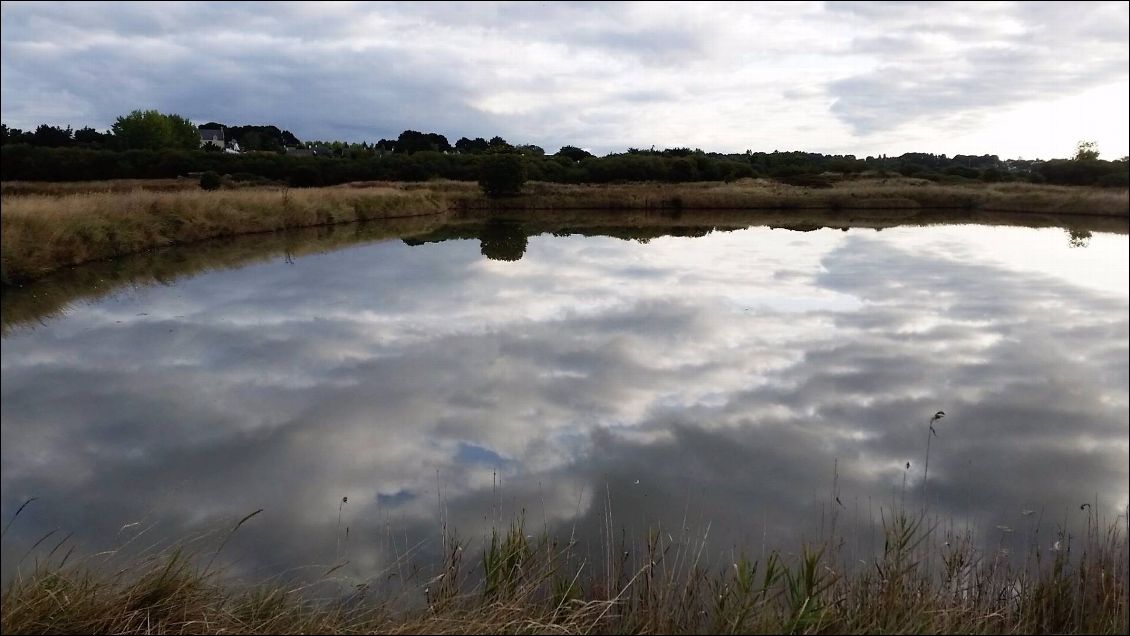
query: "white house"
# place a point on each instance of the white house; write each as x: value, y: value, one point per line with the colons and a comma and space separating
x: 211, y: 136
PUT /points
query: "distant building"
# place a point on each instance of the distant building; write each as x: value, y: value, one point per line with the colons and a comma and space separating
x: 232, y: 147
x: 211, y: 136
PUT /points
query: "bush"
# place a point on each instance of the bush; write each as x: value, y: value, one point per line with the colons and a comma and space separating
x: 991, y: 175
x: 242, y: 177
x: 964, y: 172
x: 682, y: 170
x: 210, y: 181
x: 1084, y: 172
x: 1115, y: 180
x: 502, y: 175
x: 806, y: 181
x: 305, y: 177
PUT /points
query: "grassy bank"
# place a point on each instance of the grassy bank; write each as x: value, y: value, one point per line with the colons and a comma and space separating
x: 922, y: 581
x: 52, y: 294
x: 861, y: 194
x: 81, y: 222
x: 42, y: 233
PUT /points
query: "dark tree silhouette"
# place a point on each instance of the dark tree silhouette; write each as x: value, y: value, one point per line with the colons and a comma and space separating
x: 502, y: 175
x: 502, y: 240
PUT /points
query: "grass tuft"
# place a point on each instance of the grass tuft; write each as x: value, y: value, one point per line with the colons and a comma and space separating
x: 530, y: 584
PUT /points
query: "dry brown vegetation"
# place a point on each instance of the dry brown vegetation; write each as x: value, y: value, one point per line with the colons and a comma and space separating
x: 922, y: 581
x: 30, y: 304
x: 866, y: 194
x: 77, y: 223
x: 39, y: 234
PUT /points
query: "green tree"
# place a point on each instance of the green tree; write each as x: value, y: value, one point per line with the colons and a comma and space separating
x: 471, y: 146
x: 183, y: 134
x: 1086, y: 151
x: 89, y: 135
x: 682, y: 170
x: 411, y: 141
x: 52, y: 136
x: 498, y: 144
x: 502, y: 174
x: 251, y: 140
x: 574, y: 153
x: 305, y: 176
x: 151, y: 130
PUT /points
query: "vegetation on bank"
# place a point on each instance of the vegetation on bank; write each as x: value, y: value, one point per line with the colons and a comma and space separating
x: 151, y: 145
x: 680, y: 165
x: 52, y: 295
x: 32, y: 304
x: 923, y: 580
x: 845, y: 194
x: 40, y: 233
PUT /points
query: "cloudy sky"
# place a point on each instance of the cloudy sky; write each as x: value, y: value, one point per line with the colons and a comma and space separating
x: 1015, y: 79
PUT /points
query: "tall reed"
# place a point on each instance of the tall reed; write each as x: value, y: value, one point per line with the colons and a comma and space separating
x: 656, y: 583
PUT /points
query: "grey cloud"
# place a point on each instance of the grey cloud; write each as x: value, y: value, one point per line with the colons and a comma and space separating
x: 286, y: 65
x: 600, y: 25
x: 388, y: 90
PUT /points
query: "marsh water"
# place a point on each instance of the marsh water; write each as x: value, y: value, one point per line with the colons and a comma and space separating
x: 752, y: 383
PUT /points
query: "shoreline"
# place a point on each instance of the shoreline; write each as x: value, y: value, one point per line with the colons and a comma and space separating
x: 84, y: 222
x: 38, y: 299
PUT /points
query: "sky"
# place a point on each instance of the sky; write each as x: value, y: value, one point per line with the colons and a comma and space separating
x: 1020, y: 80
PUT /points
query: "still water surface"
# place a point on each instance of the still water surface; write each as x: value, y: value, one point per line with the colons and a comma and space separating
x: 739, y: 380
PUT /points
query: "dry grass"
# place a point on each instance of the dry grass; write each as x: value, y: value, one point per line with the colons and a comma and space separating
x: 40, y: 233
x: 862, y: 194
x: 658, y: 584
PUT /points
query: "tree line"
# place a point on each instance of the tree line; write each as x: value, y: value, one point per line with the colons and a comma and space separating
x: 149, y: 144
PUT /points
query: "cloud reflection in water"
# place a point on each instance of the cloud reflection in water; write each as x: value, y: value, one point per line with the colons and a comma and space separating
x: 725, y: 374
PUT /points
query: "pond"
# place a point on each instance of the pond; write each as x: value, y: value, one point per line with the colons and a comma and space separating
x: 753, y: 384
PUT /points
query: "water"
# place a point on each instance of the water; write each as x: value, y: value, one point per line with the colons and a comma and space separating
x: 734, y: 383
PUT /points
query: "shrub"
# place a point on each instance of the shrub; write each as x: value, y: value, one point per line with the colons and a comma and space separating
x: 210, y: 180
x: 1114, y: 180
x: 806, y: 180
x: 502, y: 175
x: 305, y: 177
